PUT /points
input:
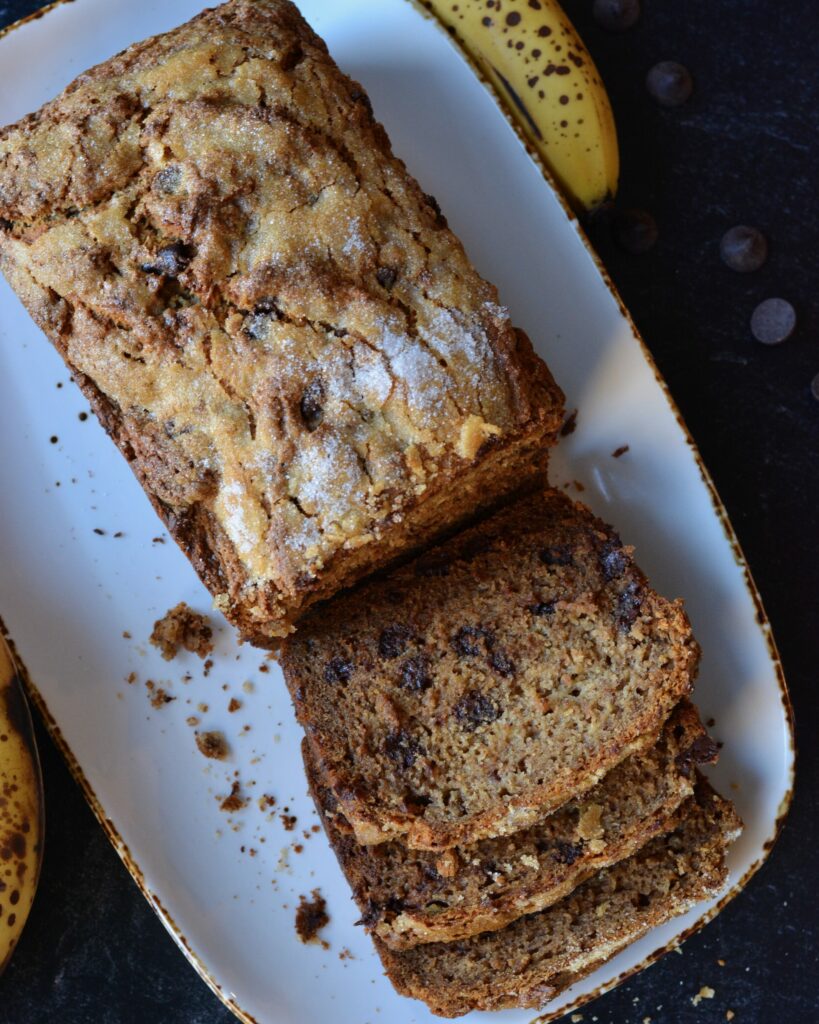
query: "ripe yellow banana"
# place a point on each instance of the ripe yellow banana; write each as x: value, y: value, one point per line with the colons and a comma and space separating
x: 21, y: 809
x: 542, y: 72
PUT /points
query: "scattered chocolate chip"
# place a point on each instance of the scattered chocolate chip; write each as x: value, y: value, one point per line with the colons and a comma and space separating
x: 542, y: 608
x: 502, y: 663
x: 338, y: 670
x: 629, y: 603
x: 402, y: 748
x: 171, y: 260
x: 82, y: 417
x: 620, y: 451
x: 415, y: 675
x: 566, y: 853
x: 616, y: 15
x: 386, y: 277
x: 560, y: 554
x: 394, y: 640
x: 54, y: 439
x: 613, y: 560
x: 311, y: 406
x: 814, y: 387
x: 702, y: 751
x: 475, y: 709
x: 569, y: 424
x: 99, y: 532
x: 669, y: 83
x: 636, y: 231
x: 743, y: 248
x: 466, y: 641
x: 773, y: 321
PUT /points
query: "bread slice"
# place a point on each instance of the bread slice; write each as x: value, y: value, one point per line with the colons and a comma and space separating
x: 265, y: 311
x: 408, y: 897
x: 536, y: 957
x: 476, y: 689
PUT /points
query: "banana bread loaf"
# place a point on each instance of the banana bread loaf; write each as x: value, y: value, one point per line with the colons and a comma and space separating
x: 267, y: 314
x: 479, y: 687
x: 408, y: 897
x: 538, y: 956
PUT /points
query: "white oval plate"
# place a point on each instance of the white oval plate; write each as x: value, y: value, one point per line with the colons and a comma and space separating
x: 226, y: 885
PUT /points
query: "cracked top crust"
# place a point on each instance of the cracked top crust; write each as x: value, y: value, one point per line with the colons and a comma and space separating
x: 265, y: 310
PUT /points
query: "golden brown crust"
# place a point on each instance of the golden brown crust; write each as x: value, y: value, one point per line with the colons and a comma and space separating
x: 269, y: 316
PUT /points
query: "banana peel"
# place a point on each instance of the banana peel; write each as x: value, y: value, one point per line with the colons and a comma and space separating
x: 531, y: 54
x: 21, y: 809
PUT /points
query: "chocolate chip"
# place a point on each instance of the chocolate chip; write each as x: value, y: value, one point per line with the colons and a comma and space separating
x: 386, y: 277
x: 475, y: 709
x: 415, y: 675
x: 338, y: 670
x: 559, y: 554
x: 669, y: 83
x: 743, y: 248
x: 311, y: 405
x: 394, y: 640
x: 616, y: 15
x: 171, y: 260
x: 437, y: 563
x: 566, y: 853
x: 773, y: 321
x: 569, y: 424
x: 402, y: 748
x: 168, y: 179
x: 359, y: 96
x: 502, y: 663
x: 702, y: 751
x: 466, y: 641
x: 636, y: 231
x: 613, y: 560
x: 439, y: 217
x: 629, y: 603
x: 542, y: 608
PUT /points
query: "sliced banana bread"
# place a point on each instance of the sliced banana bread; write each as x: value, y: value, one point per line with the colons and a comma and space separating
x: 537, y: 956
x: 409, y: 897
x: 479, y: 687
x: 267, y: 314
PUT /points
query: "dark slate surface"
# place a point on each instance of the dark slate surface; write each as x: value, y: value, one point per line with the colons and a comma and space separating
x: 743, y: 150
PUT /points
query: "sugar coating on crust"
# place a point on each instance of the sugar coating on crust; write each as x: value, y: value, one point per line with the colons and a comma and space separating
x: 498, y: 675
x: 266, y: 310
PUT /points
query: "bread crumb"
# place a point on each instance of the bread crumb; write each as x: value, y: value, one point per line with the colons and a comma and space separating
x: 447, y: 864
x: 213, y: 745
x: 706, y: 992
x: 590, y: 825
x: 289, y: 821
x: 311, y: 917
x: 721, y: 963
x: 192, y: 720
x: 235, y: 800
x: 131, y: 677
x: 729, y: 1015
x: 345, y: 954
x: 576, y: 1017
x: 182, y: 627
x: 159, y: 697
x: 234, y: 705
x: 266, y: 801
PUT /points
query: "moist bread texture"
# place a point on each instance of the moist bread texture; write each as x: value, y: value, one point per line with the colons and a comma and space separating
x: 538, y: 956
x: 472, y: 691
x: 408, y: 897
x: 265, y: 311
